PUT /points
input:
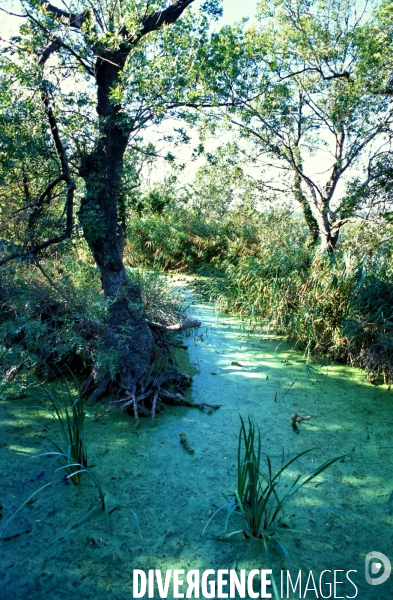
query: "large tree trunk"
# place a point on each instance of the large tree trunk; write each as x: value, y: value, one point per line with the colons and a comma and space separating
x: 323, y: 220
x: 128, y: 334
x: 311, y: 221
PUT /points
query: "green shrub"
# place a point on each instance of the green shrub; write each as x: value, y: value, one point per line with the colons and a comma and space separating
x: 53, y: 317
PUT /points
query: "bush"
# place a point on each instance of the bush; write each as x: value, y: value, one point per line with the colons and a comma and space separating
x: 53, y: 317
x: 339, y: 306
x: 261, y: 266
x: 176, y: 240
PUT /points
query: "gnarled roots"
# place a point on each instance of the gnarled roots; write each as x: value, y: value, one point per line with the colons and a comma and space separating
x: 145, y: 393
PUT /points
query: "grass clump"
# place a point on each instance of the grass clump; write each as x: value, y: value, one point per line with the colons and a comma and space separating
x: 258, y: 497
x: 71, y: 449
x: 159, y: 303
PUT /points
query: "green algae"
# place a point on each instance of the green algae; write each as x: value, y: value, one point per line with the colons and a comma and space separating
x: 334, y: 525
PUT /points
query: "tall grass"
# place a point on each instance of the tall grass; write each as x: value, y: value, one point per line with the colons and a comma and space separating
x: 258, y: 497
x: 71, y: 451
x: 261, y: 267
x: 71, y: 447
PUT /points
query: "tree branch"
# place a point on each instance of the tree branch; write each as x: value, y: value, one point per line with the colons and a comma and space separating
x: 42, y: 197
x: 167, y: 16
x: 55, y: 44
x: 72, y: 19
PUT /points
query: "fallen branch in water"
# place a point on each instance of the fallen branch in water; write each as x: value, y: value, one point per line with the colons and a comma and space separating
x: 190, y: 324
x: 297, y: 418
x: 301, y: 418
x: 183, y: 440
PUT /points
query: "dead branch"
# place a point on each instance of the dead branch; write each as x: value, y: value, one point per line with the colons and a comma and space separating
x: 190, y: 324
x: 186, y: 445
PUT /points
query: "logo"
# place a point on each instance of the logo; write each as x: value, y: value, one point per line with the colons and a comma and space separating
x: 377, y: 564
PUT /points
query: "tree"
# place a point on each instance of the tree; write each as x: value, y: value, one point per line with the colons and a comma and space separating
x: 221, y: 183
x: 375, y: 41
x: 98, y: 74
x: 296, y: 94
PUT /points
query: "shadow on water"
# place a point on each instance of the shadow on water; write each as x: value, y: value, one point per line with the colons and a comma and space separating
x: 173, y: 493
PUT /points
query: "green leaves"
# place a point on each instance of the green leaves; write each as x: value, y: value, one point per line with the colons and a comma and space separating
x: 296, y: 88
x: 257, y: 495
x: 72, y: 448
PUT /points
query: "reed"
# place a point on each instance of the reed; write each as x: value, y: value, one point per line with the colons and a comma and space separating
x: 258, y: 498
x: 71, y: 448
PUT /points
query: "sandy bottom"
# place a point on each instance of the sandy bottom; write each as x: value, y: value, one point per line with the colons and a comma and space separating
x: 333, y: 525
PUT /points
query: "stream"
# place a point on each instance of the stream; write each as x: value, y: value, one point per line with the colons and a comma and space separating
x: 332, y: 525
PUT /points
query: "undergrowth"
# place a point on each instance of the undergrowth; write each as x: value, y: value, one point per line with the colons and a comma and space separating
x: 262, y: 267
x: 53, y: 315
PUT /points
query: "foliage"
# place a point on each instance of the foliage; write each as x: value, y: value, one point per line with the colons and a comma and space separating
x: 342, y: 308
x: 53, y: 316
x: 292, y: 87
x: 375, y: 42
x: 178, y: 239
x: 262, y: 267
x: 258, y: 498
x: 71, y: 450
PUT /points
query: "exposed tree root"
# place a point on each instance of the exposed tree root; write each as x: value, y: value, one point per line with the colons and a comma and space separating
x: 145, y: 393
x: 190, y: 324
x: 147, y: 396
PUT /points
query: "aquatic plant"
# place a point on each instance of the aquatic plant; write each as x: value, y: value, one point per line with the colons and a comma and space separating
x: 71, y: 450
x: 257, y: 497
x: 77, y: 470
x: 71, y: 453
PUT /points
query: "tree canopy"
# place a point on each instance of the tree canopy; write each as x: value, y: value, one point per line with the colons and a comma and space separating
x: 298, y: 86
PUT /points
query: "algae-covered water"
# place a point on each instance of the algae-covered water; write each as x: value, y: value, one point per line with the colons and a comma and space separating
x: 173, y: 493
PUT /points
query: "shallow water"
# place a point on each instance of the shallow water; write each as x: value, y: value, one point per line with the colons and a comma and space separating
x: 334, y: 526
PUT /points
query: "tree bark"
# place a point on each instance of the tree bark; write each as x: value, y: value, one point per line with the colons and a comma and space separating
x: 311, y: 221
x: 329, y: 227
x: 128, y: 334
